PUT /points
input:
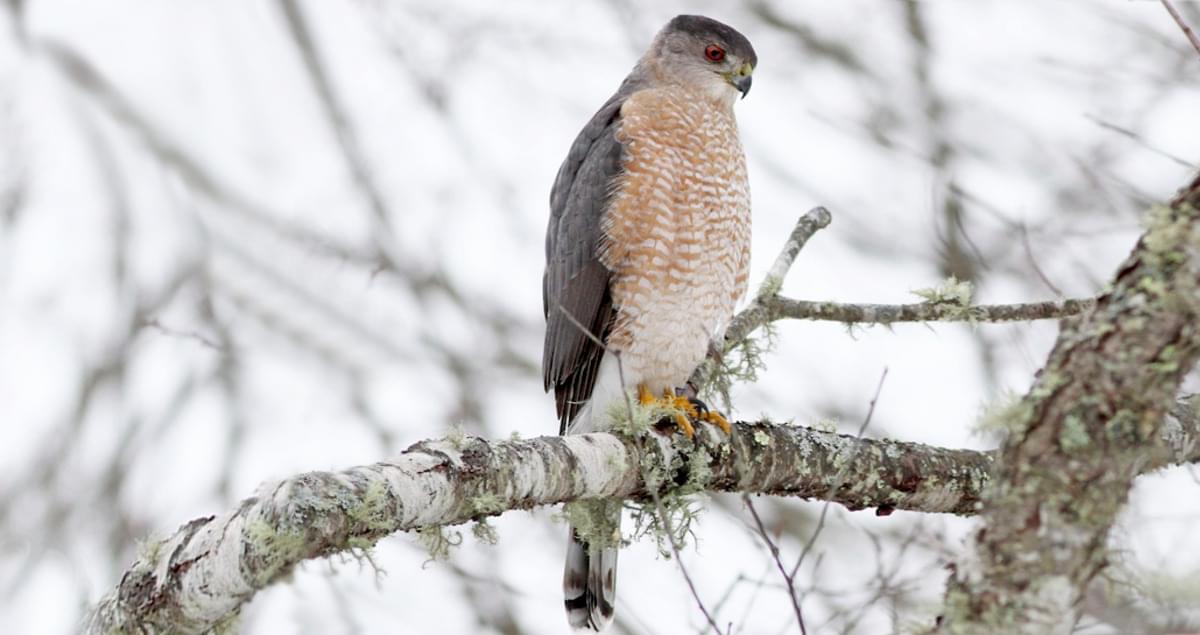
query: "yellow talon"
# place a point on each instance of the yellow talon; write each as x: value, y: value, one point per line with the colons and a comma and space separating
x: 685, y: 410
x: 684, y: 404
x: 716, y: 419
x: 684, y: 425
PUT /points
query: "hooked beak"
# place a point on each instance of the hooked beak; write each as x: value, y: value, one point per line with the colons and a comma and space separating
x: 741, y: 78
x: 743, y: 85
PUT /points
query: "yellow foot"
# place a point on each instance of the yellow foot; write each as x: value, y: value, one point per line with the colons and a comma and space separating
x: 715, y: 418
x: 685, y: 410
x: 645, y: 397
x: 698, y: 411
x: 684, y: 426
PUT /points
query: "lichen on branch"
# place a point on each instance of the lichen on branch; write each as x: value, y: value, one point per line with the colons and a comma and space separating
x: 1092, y: 419
x: 201, y: 575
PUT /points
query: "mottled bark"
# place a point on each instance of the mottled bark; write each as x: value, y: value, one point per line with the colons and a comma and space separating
x: 200, y: 576
x: 924, y: 311
x: 1079, y: 437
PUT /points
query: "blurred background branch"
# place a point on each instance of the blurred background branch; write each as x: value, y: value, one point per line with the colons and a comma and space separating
x: 240, y: 241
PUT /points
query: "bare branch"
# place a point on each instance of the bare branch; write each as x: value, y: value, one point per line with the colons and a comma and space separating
x: 789, y: 578
x: 815, y: 220
x: 768, y: 306
x: 1187, y: 30
x: 841, y: 477
x: 924, y: 311
x: 211, y: 566
x: 339, y: 120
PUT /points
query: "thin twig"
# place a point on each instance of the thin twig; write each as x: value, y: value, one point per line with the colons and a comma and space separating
x: 193, y: 335
x: 789, y: 578
x: 774, y: 549
x: 666, y: 523
x: 767, y: 306
x: 1187, y: 30
x: 663, y: 518
x: 1034, y: 264
x: 841, y: 477
x: 1138, y: 139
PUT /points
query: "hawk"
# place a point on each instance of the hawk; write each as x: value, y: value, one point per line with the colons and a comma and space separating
x: 647, y: 253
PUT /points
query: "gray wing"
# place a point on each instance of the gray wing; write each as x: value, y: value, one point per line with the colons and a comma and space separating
x: 575, y: 281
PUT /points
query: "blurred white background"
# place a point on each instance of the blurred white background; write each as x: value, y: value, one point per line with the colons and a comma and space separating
x: 241, y: 239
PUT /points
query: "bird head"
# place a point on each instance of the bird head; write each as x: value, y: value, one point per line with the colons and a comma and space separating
x: 706, y: 54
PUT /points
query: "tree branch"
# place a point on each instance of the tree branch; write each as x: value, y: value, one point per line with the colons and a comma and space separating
x: 200, y: 577
x: 768, y: 306
x: 779, y: 307
x: 1081, y: 435
x: 1183, y: 25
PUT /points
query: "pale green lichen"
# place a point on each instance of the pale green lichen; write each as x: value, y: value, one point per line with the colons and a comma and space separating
x: 437, y: 542
x: 951, y: 291
x: 149, y: 550
x: 1046, y: 384
x: 484, y: 532
x: 771, y: 285
x: 1168, y: 229
x: 762, y: 438
x: 652, y: 471
x: 699, y: 471
x: 669, y: 518
x: 279, y: 548
x: 741, y: 363
x: 486, y: 504
x: 1153, y: 286
x: 481, y: 506
x: 631, y: 417
x: 616, y: 463
x: 1073, y: 435
x: 674, y: 510
x: 373, y: 509
x: 230, y: 624
x: 1167, y: 360
x: 456, y: 436
x: 953, y: 299
x: 596, y: 521
x: 826, y: 425
x: 1004, y: 415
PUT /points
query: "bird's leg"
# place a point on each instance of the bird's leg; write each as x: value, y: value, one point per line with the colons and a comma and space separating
x: 675, y: 413
x: 645, y: 397
x: 685, y: 412
x: 712, y: 417
x: 699, y: 411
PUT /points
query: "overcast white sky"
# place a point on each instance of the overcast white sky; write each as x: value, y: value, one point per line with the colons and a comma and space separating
x: 189, y: 302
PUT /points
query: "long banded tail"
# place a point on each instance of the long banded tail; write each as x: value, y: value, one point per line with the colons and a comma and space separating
x: 589, y: 584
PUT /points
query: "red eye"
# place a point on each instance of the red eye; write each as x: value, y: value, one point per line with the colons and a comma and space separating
x: 714, y: 53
